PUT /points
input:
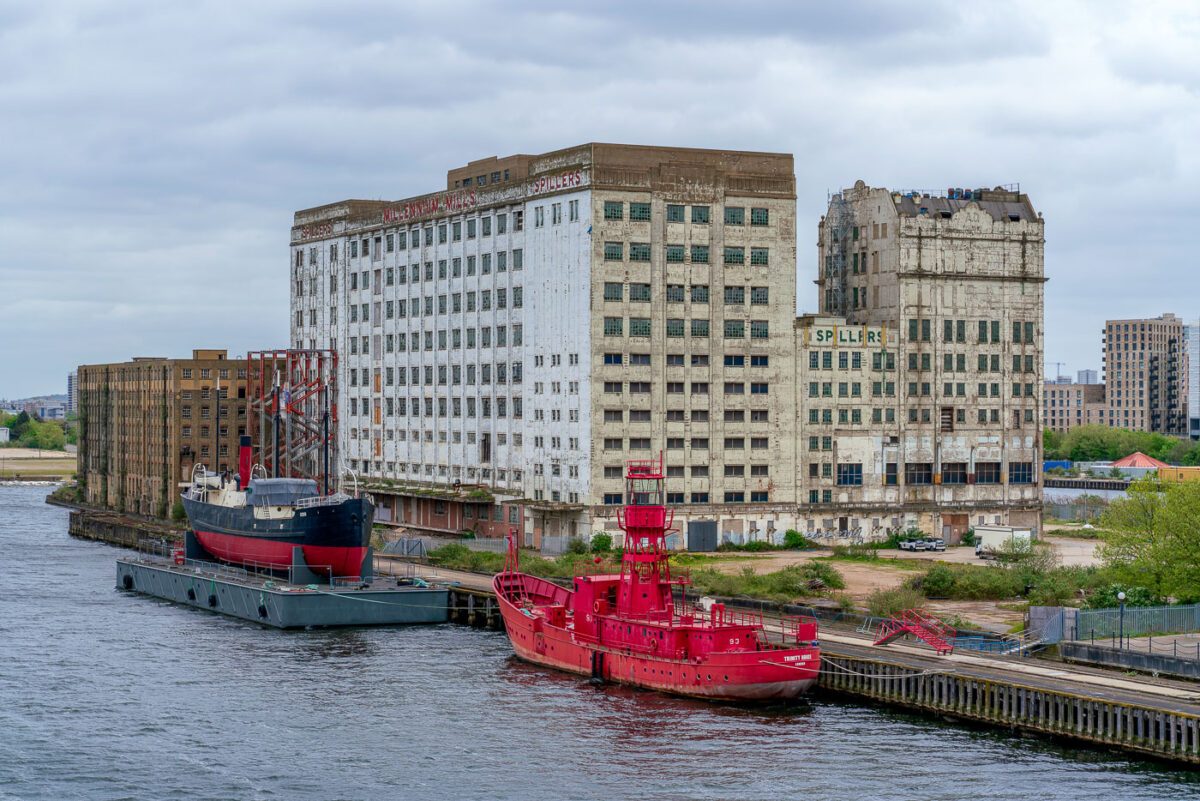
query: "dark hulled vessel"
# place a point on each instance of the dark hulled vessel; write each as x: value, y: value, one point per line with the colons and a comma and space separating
x: 259, y: 521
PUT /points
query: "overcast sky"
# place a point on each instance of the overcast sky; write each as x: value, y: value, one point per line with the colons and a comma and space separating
x: 152, y: 153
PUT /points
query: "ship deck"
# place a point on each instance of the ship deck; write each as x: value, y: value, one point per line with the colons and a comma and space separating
x: 271, y: 599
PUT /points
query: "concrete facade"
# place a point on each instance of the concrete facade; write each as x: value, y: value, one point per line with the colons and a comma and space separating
x: 144, y: 423
x: 514, y: 339
x: 572, y: 313
x: 1145, y: 374
x: 959, y: 279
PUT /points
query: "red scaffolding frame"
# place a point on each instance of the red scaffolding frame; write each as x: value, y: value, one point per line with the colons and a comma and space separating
x: 292, y: 409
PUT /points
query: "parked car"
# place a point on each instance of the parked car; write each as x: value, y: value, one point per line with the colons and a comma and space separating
x: 906, y: 545
x: 935, y: 545
x: 917, y: 545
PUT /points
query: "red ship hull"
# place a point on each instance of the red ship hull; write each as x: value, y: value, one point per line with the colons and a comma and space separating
x: 243, y: 550
x: 746, y: 675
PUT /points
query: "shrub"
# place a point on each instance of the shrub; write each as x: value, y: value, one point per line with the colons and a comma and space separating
x: 794, y: 539
x: 845, y: 603
x: 937, y: 582
x: 885, y: 603
x: 1106, y: 597
x: 601, y: 543
x: 969, y: 537
x: 577, y: 546
x: 824, y: 572
x: 780, y: 586
x: 178, y: 513
x: 866, y: 552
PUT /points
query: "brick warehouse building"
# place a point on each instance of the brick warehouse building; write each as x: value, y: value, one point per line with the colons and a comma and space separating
x: 144, y: 423
x: 545, y: 318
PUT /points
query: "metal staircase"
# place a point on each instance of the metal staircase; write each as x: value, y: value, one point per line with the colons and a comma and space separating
x: 925, y: 627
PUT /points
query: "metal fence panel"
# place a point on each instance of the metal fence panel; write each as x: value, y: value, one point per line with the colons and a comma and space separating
x: 488, y: 545
x: 1137, y: 620
x: 406, y: 546
x: 1075, y: 511
x: 554, y: 546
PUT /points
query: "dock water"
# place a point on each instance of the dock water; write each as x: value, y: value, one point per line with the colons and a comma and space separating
x: 1100, y: 708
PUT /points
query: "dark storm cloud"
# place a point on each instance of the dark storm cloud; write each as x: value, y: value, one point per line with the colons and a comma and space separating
x: 153, y: 153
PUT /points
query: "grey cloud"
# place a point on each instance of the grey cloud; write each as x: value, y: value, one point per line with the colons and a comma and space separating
x: 154, y: 153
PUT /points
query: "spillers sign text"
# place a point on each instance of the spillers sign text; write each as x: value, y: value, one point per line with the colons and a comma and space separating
x: 430, y: 206
x: 316, y: 231
x: 845, y: 336
x: 556, y: 183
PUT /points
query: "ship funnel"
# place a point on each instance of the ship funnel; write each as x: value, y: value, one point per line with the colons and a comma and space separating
x: 244, y: 460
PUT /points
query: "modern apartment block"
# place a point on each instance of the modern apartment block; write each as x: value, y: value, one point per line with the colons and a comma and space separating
x: 1087, y: 377
x: 1145, y: 374
x: 1191, y: 334
x: 546, y: 318
x: 73, y: 391
x: 959, y: 280
x: 1065, y: 406
x: 143, y: 424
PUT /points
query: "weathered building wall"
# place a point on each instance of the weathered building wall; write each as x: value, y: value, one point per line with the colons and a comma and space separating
x: 144, y: 423
x: 960, y: 281
x: 657, y: 306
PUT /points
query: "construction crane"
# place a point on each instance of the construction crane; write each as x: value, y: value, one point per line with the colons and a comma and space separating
x: 1058, y: 369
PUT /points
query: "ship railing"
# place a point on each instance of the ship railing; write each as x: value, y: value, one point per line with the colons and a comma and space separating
x: 797, y: 627
x: 717, y: 615
x: 247, y: 571
x: 322, y: 500
x: 603, y: 568
x: 738, y: 617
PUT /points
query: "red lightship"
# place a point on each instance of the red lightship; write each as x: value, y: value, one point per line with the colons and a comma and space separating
x: 624, y: 627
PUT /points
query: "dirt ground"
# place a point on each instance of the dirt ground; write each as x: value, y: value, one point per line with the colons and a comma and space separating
x: 32, y: 462
x: 34, y: 453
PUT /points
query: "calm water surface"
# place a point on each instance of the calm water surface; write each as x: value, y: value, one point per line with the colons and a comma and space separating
x: 105, y: 695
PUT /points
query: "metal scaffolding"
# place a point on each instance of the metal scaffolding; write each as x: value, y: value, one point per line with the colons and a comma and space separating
x: 292, y: 409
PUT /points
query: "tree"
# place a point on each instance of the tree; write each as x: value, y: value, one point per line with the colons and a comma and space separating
x: 19, y: 425
x: 1052, y: 442
x: 46, y: 436
x: 1153, y: 539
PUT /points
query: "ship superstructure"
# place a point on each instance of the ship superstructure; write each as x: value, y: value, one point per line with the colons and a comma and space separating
x: 625, y: 626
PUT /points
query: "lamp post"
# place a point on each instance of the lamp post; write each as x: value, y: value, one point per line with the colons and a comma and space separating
x: 1121, y: 631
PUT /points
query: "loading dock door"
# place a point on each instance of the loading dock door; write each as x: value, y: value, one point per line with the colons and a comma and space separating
x: 702, y: 535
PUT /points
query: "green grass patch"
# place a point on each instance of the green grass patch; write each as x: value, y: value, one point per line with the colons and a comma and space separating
x: 806, y: 580
x: 869, y: 554
x: 459, y: 557
x: 885, y: 603
x: 702, y: 559
x: 1077, y: 533
x: 1037, y: 585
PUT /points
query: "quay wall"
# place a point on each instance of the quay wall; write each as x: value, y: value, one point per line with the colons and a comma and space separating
x: 1142, y: 729
x: 1104, y: 656
x: 117, y: 530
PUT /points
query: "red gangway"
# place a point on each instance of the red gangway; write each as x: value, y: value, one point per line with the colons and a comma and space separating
x: 925, y: 627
